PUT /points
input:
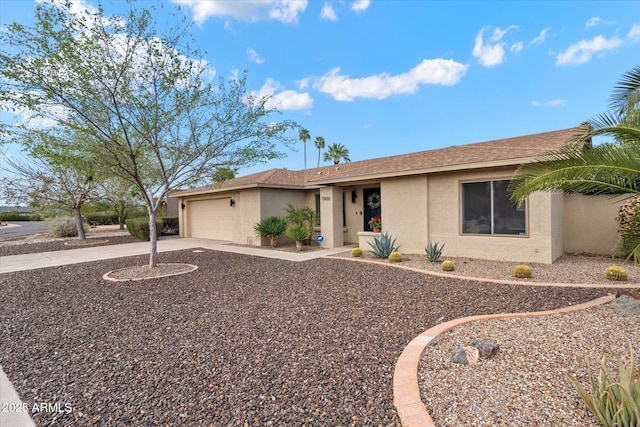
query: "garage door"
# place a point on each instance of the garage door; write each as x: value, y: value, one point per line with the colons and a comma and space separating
x: 211, y: 219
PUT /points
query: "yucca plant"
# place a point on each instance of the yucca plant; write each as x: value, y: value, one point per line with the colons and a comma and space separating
x: 298, y: 233
x: 615, y: 404
x: 271, y: 227
x: 434, y: 250
x: 382, y: 246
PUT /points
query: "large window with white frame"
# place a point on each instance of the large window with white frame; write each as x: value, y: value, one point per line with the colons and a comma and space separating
x: 488, y: 209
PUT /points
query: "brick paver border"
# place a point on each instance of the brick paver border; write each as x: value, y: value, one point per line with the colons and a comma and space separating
x: 406, y: 390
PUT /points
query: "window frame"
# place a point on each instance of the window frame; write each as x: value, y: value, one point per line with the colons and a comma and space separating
x: 492, y: 207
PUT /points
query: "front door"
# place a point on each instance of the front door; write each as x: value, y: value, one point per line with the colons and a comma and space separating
x: 372, y: 206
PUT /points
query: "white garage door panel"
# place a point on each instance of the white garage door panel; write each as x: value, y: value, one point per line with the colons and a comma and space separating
x: 211, y: 219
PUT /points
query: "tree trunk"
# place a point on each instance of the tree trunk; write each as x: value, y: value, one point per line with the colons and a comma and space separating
x: 121, y: 207
x: 153, y: 256
x: 79, y: 223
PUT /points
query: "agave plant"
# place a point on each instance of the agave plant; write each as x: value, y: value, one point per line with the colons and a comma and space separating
x: 614, y: 403
x: 271, y: 227
x: 434, y: 250
x: 382, y: 246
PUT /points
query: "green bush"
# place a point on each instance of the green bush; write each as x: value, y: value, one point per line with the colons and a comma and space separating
x: 298, y: 233
x: 382, y: 246
x: 628, y: 220
x: 102, y: 218
x: 63, y: 226
x: 433, y: 251
x: 139, y: 228
x: 17, y: 216
x: 170, y: 225
x: 614, y: 403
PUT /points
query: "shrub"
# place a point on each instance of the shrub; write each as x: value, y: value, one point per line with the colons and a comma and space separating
x: 395, y: 257
x: 433, y: 251
x: 628, y: 220
x: 382, y: 246
x: 102, y: 218
x: 271, y: 227
x: 356, y: 252
x: 298, y: 233
x: 614, y: 403
x: 616, y: 273
x: 448, y: 265
x: 17, y: 216
x: 63, y: 226
x: 170, y: 225
x: 139, y: 228
x: 522, y: 272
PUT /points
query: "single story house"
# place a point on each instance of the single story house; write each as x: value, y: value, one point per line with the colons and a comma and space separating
x: 455, y: 195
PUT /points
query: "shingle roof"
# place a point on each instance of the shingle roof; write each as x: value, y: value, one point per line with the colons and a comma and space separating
x: 508, y: 151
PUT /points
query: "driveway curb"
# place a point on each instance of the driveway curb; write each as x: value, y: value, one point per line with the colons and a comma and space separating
x: 406, y: 390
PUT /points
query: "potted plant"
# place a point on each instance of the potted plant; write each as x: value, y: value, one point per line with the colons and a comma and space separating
x: 376, y: 223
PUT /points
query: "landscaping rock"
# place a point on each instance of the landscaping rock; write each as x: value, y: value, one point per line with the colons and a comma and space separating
x: 486, y: 348
x: 625, y: 304
x: 465, y: 355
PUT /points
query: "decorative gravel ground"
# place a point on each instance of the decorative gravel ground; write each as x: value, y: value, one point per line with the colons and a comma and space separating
x: 240, y: 341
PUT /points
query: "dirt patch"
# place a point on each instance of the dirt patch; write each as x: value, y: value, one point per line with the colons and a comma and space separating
x: 144, y: 272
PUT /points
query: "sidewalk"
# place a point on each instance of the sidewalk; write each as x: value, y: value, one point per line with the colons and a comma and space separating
x: 95, y: 253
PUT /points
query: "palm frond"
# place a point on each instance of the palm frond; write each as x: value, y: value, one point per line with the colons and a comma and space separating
x: 605, y: 168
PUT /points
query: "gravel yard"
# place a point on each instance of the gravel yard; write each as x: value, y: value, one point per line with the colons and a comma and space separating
x: 50, y: 244
x: 240, y: 341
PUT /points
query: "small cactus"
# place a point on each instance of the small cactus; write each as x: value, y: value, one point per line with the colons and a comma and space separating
x: 616, y: 273
x: 395, y: 257
x: 448, y: 265
x: 522, y: 272
x: 356, y: 252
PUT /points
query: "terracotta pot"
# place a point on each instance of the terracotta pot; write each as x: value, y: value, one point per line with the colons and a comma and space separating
x: 377, y: 230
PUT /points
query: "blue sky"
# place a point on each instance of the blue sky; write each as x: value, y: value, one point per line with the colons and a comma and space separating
x: 393, y: 77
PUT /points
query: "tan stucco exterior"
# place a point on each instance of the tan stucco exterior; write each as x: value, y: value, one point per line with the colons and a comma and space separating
x: 590, y: 225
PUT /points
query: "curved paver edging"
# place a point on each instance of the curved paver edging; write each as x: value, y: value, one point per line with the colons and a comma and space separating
x: 612, y: 286
x: 406, y: 390
x: 191, y: 268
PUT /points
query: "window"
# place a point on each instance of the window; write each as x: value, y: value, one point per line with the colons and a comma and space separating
x: 317, y: 210
x: 487, y: 209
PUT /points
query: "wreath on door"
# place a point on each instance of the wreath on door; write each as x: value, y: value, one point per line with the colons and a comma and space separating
x: 373, y: 201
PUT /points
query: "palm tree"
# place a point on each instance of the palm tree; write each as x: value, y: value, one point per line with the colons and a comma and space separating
x: 611, y: 168
x: 304, y: 136
x: 336, y: 152
x: 319, y: 143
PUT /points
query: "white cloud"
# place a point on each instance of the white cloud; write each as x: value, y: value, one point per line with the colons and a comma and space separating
x: 582, y: 51
x: 254, y: 56
x: 444, y: 72
x: 552, y: 103
x: 285, y: 100
x: 328, y: 12
x: 592, y: 22
x: 489, y: 54
x: 634, y: 33
x: 286, y: 11
x: 360, y: 5
x: 516, y: 47
x: 541, y: 37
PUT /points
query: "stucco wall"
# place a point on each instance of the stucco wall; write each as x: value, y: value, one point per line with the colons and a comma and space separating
x: 590, y: 225
x: 444, y: 222
x: 404, y: 212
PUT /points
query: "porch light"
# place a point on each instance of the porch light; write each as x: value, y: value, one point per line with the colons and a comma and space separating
x: 354, y: 196
x: 183, y: 206
x: 232, y: 202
